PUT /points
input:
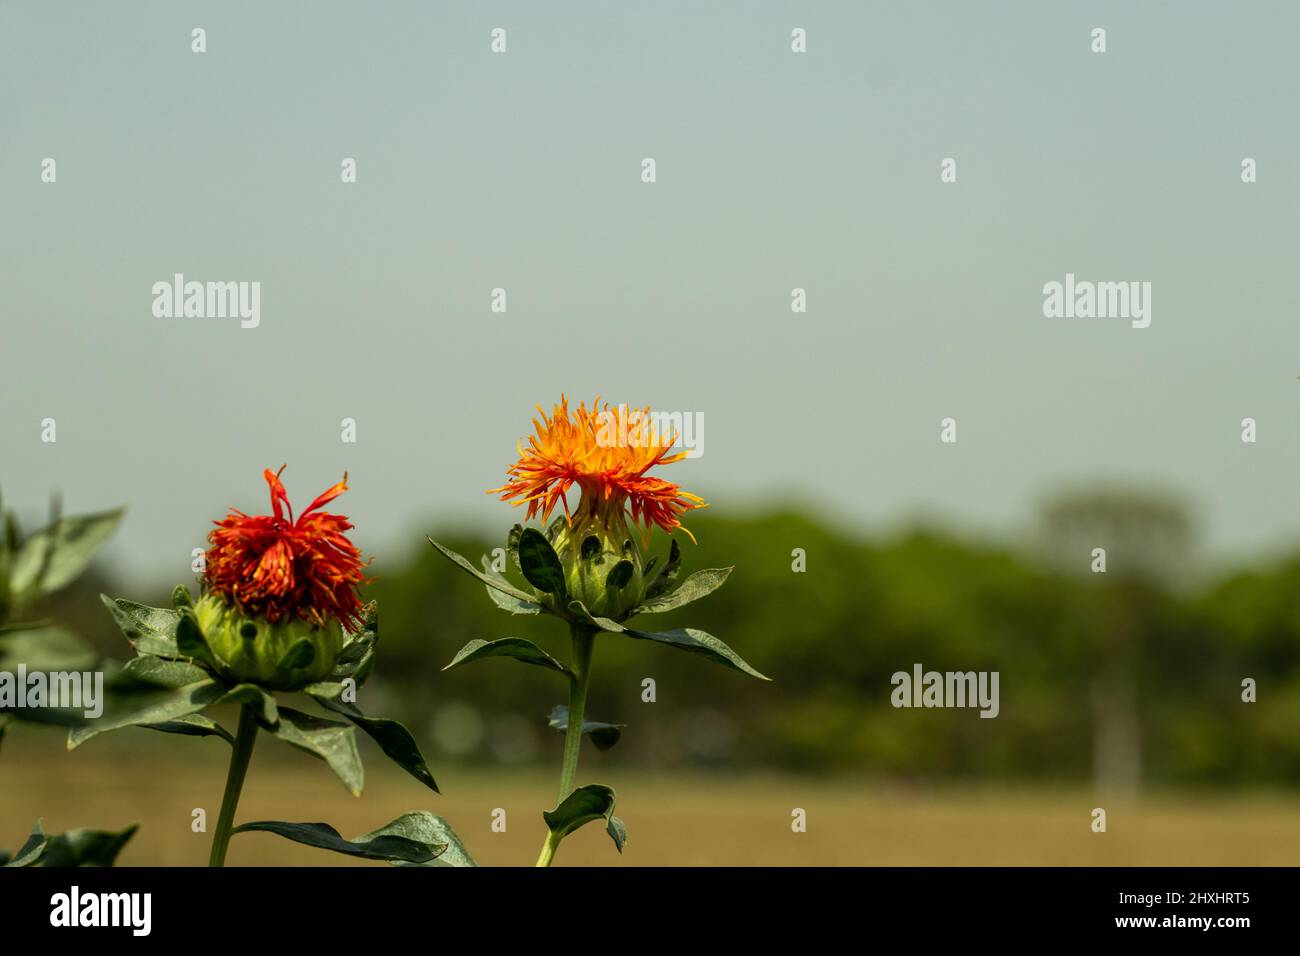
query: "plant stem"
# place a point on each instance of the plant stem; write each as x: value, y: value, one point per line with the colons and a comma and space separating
x: 584, y: 641
x: 548, y: 850
x: 241, y: 754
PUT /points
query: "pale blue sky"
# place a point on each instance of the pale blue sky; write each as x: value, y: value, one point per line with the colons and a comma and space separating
x: 775, y: 170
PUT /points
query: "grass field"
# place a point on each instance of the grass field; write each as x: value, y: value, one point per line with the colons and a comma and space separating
x: 684, y: 819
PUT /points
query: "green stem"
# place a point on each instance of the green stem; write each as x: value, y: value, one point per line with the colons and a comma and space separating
x: 584, y: 642
x: 242, y: 753
x: 548, y: 850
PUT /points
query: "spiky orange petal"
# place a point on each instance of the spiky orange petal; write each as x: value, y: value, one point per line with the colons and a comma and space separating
x: 567, y: 450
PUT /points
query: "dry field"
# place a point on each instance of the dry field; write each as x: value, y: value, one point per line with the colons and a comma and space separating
x: 689, y: 819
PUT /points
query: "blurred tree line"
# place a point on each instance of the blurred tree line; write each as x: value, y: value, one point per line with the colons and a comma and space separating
x: 1128, y: 677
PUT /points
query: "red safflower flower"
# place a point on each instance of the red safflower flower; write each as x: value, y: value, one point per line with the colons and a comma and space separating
x: 276, y: 568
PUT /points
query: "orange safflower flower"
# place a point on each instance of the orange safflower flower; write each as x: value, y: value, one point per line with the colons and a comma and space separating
x: 606, y: 454
x: 276, y: 568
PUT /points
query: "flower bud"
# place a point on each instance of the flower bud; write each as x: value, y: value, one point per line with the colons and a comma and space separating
x: 602, y: 560
x: 285, y: 655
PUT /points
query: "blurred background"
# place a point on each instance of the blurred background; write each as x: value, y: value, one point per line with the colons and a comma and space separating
x: 1120, y: 690
x: 775, y: 171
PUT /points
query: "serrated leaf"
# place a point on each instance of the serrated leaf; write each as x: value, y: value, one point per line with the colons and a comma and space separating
x: 379, y: 845
x: 513, y: 647
x: 53, y: 557
x: 698, y: 642
x: 151, y: 630
x: 593, y: 802
x: 148, y: 707
x: 693, y: 588
x: 602, y: 735
x: 393, y: 738
x: 540, y: 564
x: 329, y: 740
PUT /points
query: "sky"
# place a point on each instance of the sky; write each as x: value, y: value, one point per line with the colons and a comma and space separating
x: 775, y: 170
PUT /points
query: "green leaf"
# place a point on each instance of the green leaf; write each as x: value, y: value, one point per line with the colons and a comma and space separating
x: 424, y: 827
x: 193, y: 725
x: 503, y: 600
x: 85, y: 847
x: 617, y: 831
x: 619, y: 575
x: 263, y: 704
x: 53, y: 557
x: 592, y: 802
x: 151, y: 630
x: 181, y: 598
x: 590, y: 547
x: 392, y: 846
x: 540, y: 564
x: 668, y: 575
x: 698, y: 642
x: 329, y: 740
x: 300, y: 654
x: 81, y: 847
x: 44, y: 648
x: 357, y: 657
x: 603, y: 735
x: 30, y: 852
x: 190, y: 641
x: 393, y: 738
x: 513, y: 605
x: 605, y: 624
x: 148, y: 707
x: 512, y: 543
x: 496, y: 583
x: 515, y: 647
x: 692, y: 589
x: 160, y: 672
